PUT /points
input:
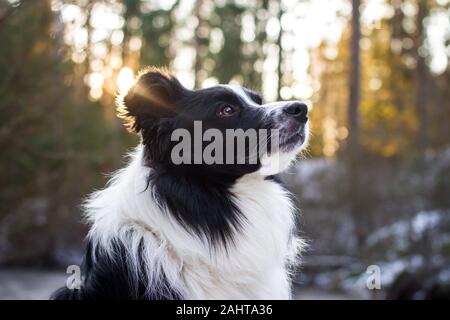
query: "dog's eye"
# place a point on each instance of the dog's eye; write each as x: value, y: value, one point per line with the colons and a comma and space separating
x: 227, y: 110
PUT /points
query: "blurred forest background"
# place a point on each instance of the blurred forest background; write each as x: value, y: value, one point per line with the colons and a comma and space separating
x: 375, y: 186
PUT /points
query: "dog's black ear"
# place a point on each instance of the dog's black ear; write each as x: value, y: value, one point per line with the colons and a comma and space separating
x: 153, y: 96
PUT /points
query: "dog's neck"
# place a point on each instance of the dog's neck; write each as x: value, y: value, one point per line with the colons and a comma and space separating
x: 131, y: 211
x: 204, y: 207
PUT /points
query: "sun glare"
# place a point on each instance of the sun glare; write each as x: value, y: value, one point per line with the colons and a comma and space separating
x: 125, y: 79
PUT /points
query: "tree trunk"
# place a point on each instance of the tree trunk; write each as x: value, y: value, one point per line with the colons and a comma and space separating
x: 198, y: 43
x: 355, y: 82
x: 395, y: 56
x: 280, y: 53
x: 355, y: 197
x: 421, y: 79
x: 261, y: 39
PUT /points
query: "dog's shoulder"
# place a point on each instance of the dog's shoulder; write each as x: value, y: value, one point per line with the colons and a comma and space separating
x: 109, y: 275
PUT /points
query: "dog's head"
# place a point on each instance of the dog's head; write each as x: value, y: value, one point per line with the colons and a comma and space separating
x: 225, y: 130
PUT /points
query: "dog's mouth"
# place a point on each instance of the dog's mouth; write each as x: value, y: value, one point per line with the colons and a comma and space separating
x: 290, y: 141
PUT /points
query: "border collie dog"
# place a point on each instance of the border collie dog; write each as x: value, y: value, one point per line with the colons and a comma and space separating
x: 161, y: 230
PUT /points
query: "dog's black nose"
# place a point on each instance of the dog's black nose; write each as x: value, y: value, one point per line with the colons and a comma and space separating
x: 297, y: 110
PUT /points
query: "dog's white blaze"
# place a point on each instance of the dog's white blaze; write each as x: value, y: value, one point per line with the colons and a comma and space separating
x: 257, y: 267
x: 280, y: 161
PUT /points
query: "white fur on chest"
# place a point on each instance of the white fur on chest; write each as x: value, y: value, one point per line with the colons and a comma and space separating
x: 255, y: 267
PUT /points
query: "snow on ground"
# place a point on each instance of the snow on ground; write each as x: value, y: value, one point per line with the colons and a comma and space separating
x: 39, y: 285
x: 29, y: 284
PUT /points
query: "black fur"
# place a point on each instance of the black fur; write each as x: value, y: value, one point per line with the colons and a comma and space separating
x: 112, y: 278
x: 207, y: 209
